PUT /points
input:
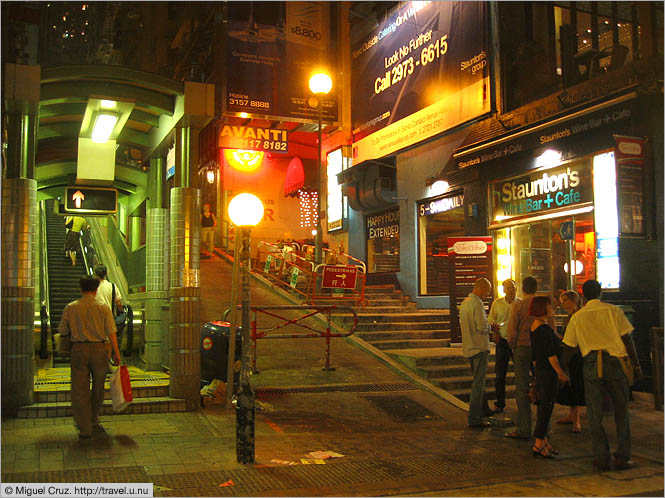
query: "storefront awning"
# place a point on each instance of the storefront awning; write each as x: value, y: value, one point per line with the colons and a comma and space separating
x: 612, y: 112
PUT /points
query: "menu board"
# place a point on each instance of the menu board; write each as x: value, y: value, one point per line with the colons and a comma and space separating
x: 631, y: 199
x: 470, y: 258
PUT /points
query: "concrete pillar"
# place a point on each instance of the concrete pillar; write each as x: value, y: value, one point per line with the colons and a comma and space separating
x: 19, y: 218
x: 184, y: 295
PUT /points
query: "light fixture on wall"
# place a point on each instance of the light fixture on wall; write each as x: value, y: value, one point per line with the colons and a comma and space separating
x: 549, y: 158
x: 244, y: 160
x: 210, y: 176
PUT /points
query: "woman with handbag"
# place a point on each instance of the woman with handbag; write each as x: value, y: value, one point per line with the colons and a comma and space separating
x: 546, y: 347
x: 572, y: 394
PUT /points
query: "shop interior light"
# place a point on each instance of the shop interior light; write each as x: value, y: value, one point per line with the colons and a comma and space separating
x: 210, y: 176
x: 579, y: 267
x: 314, y: 232
x: 548, y: 158
x: 104, y: 125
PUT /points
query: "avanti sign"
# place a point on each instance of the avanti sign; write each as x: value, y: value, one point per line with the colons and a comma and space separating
x: 543, y: 190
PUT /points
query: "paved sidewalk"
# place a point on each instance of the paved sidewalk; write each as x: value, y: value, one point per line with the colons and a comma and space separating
x: 396, y: 438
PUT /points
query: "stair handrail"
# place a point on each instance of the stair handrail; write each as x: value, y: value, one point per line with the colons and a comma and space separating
x: 43, y: 283
x: 356, y: 261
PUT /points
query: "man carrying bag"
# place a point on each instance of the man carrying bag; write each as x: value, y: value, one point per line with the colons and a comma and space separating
x: 109, y: 294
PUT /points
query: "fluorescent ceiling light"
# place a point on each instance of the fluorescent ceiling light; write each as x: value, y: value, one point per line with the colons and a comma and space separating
x: 104, y: 125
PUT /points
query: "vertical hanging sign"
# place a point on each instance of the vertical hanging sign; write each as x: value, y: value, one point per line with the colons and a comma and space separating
x: 470, y: 258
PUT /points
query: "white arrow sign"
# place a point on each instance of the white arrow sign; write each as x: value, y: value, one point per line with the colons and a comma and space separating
x: 77, y: 198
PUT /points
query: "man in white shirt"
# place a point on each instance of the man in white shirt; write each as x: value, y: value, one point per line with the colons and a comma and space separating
x: 498, y: 320
x: 602, y: 332
x: 476, y: 347
x: 105, y: 295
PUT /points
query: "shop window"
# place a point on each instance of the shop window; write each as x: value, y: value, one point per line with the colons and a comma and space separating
x: 559, y: 253
x: 383, y: 241
x: 438, y: 220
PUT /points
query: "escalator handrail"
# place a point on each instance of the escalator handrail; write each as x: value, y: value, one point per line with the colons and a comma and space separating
x: 43, y: 283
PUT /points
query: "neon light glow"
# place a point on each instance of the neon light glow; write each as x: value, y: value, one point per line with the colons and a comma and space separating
x: 309, y: 208
x: 244, y: 160
x: 606, y: 220
x: 504, y: 260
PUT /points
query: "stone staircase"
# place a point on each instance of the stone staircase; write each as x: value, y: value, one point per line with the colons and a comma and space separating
x: 53, y: 395
x: 420, y: 340
x: 448, y: 369
x: 390, y: 321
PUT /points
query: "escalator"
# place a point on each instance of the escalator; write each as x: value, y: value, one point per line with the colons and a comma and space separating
x: 63, y: 278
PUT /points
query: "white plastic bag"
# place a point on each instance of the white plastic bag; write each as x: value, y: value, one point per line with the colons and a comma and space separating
x: 121, y: 389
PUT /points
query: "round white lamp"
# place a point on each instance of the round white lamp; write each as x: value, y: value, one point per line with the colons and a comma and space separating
x: 245, y: 210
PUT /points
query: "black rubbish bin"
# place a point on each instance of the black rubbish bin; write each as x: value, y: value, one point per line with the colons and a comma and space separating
x: 215, y: 352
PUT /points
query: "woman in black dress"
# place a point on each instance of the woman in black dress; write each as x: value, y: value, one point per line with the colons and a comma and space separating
x: 572, y: 394
x: 545, y: 348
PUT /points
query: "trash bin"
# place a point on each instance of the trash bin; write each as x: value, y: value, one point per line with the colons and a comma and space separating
x: 215, y: 351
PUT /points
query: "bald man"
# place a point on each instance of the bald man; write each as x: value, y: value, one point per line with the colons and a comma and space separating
x: 476, y: 347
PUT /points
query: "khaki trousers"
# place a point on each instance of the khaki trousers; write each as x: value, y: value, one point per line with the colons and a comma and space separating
x: 88, y: 359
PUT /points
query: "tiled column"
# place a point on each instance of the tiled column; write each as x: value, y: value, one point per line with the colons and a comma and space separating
x: 157, y: 285
x: 19, y: 219
x: 184, y: 295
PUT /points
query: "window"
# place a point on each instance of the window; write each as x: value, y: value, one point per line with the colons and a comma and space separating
x: 439, y: 218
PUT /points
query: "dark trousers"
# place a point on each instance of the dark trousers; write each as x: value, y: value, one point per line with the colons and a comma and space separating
x: 613, y: 383
x: 88, y: 360
x: 501, y: 361
x: 547, y: 385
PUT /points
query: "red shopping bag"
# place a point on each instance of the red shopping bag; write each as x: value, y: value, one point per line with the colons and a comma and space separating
x: 121, y: 389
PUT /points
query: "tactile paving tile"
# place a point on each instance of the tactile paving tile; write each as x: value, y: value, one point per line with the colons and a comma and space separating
x: 109, y: 474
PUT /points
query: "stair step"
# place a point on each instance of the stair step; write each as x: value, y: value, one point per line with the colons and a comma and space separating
x: 411, y: 343
x: 465, y: 382
x: 382, y: 335
x: 397, y: 318
x: 152, y: 391
x: 490, y: 393
x: 139, y: 405
x: 406, y: 326
x: 436, y: 371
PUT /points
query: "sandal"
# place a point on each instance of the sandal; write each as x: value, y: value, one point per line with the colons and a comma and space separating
x: 577, y: 428
x: 551, y: 450
x: 542, y: 452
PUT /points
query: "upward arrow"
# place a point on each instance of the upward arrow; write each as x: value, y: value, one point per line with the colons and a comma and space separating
x: 77, y: 198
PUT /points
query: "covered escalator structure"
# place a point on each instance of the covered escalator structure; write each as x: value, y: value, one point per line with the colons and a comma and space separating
x: 150, y: 243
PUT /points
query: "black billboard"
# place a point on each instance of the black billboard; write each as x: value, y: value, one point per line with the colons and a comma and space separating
x: 424, y: 54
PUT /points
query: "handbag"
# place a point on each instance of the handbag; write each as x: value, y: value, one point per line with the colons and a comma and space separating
x: 121, y: 317
x: 121, y: 389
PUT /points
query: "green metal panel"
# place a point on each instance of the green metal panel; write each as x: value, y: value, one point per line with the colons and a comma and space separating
x: 136, y: 275
x: 153, y: 101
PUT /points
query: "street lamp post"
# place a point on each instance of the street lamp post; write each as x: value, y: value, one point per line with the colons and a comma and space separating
x: 245, y: 211
x: 320, y: 84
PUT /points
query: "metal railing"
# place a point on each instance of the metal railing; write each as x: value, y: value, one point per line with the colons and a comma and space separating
x: 285, y: 269
x: 310, y: 332
x: 43, y: 284
x: 292, y: 271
